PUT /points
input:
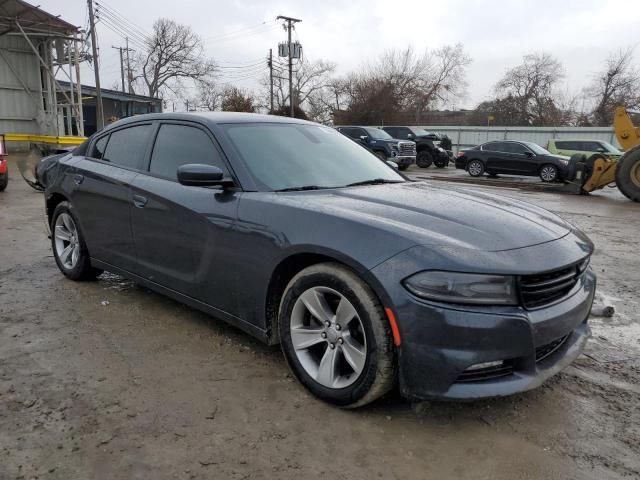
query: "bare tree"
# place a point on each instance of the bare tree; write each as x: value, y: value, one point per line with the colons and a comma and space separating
x: 237, y: 100
x: 617, y: 84
x: 174, y: 53
x: 209, y: 97
x: 531, y: 89
x: 400, y: 86
x: 308, y: 79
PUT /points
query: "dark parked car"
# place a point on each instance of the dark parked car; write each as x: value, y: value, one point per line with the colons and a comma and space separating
x: 382, y: 145
x: 427, y: 145
x: 254, y: 220
x: 513, y: 158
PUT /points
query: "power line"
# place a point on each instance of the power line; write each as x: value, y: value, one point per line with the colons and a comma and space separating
x: 243, y: 31
x: 123, y: 18
x: 121, y: 29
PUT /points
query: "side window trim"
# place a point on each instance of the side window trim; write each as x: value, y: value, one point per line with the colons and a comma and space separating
x: 129, y: 125
x: 186, y: 123
x: 92, y: 146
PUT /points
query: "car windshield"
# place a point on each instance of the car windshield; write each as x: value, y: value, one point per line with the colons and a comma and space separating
x: 610, y: 148
x: 378, y: 134
x: 538, y: 150
x: 291, y: 156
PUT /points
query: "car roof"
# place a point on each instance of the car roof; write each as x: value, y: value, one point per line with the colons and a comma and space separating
x: 211, y: 118
x: 577, y: 140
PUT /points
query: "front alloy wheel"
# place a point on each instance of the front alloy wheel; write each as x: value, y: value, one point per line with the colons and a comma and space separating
x: 549, y: 173
x: 328, y: 337
x: 335, y: 336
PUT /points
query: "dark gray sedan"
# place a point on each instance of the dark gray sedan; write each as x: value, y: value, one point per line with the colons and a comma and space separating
x: 298, y: 236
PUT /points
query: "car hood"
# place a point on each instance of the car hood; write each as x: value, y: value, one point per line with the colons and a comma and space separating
x: 424, y: 214
x: 557, y: 155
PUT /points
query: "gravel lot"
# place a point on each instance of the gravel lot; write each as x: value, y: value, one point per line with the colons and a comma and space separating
x: 109, y: 380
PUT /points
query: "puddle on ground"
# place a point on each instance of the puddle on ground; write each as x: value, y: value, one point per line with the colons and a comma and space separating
x: 111, y: 281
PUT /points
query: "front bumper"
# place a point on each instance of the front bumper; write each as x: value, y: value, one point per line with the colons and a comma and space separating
x: 403, y: 160
x: 440, y: 342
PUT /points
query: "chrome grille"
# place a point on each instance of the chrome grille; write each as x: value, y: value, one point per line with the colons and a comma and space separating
x: 407, y: 148
x: 545, y: 288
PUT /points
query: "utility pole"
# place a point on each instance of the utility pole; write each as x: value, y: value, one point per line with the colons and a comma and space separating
x: 121, y: 66
x: 96, y: 68
x: 76, y: 56
x: 129, y: 79
x: 271, y: 78
x: 290, y: 22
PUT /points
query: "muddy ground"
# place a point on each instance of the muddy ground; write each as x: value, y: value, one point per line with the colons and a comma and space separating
x: 108, y: 380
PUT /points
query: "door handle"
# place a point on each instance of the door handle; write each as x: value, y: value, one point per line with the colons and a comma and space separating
x: 78, y: 179
x: 139, y: 201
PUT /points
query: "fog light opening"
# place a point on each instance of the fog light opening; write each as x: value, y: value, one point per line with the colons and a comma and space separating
x: 480, y: 366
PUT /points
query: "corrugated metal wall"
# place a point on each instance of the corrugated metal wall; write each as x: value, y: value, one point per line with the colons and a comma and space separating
x: 465, y: 137
x: 20, y: 111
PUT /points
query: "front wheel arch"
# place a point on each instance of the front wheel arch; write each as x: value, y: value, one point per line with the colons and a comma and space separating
x: 296, y: 261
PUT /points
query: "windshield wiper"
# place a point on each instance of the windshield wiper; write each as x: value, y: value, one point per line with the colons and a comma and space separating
x: 298, y: 189
x: 373, y: 181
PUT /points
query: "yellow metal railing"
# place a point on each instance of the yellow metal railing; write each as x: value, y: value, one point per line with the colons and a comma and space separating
x: 48, y: 139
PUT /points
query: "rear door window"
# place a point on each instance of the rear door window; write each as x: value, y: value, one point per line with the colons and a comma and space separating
x: 496, y: 147
x: 178, y: 145
x: 127, y: 147
x: 565, y: 145
x: 591, y: 146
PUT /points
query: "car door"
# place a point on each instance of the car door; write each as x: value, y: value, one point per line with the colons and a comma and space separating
x: 495, y: 157
x: 521, y: 160
x: 178, y: 229
x: 102, y: 196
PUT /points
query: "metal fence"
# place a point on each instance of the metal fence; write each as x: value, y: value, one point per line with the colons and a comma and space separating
x: 465, y: 137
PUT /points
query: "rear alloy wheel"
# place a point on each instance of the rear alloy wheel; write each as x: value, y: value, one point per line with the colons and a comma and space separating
x: 424, y: 159
x: 549, y: 173
x: 69, y: 249
x: 475, y: 168
x: 336, y: 337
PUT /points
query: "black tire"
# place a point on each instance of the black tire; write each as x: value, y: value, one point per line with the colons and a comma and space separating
x: 441, y: 163
x: 378, y: 374
x: 4, y: 181
x: 424, y: 159
x: 628, y: 174
x: 403, y: 167
x: 475, y: 168
x: 82, y: 270
x: 380, y: 155
x: 549, y: 173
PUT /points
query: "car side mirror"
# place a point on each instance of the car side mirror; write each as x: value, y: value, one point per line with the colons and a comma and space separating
x: 528, y: 154
x: 364, y: 138
x: 600, y: 150
x: 392, y: 164
x: 410, y: 136
x: 200, y: 175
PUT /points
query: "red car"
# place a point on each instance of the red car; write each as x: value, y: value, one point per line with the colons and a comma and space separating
x: 4, y: 170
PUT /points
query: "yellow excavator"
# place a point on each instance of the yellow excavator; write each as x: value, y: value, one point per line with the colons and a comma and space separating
x: 598, y: 170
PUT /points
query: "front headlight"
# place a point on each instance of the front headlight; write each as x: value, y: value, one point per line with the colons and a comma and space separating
x: 395, y: 146
x: 564, y: 162
x: 457, y: 287
x: 440, y: 149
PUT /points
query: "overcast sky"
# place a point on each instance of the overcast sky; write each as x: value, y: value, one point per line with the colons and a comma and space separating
x: 496, y: 34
